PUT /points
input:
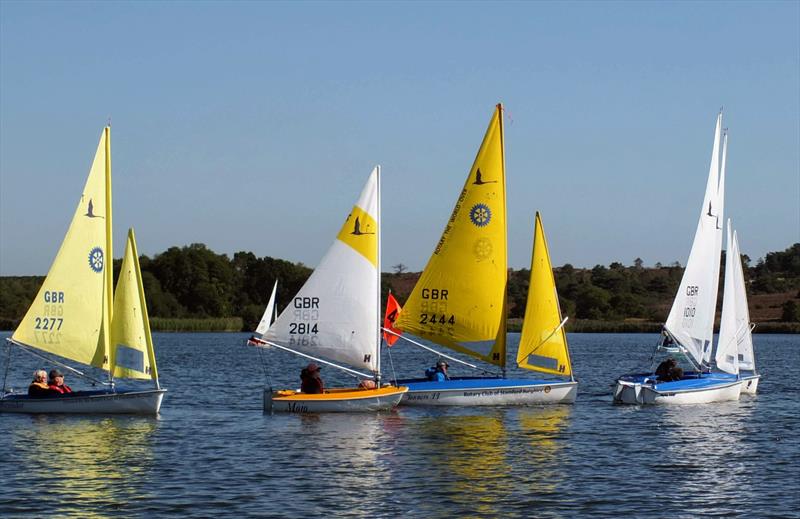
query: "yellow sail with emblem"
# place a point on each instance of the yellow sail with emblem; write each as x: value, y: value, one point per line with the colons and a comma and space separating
x: 70, y: 315
x: 460, y: 298
x: 543, y: 343
x: 132, y: 354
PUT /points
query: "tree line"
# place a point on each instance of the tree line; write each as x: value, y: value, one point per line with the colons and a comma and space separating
x: 194, y: 282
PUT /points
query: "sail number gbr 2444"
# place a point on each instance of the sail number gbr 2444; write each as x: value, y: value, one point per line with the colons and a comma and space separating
x: 434, y: 307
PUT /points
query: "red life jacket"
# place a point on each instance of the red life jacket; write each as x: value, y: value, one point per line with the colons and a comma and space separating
x: 61, y: 389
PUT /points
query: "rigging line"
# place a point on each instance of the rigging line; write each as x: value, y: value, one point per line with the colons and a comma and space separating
x: 391, y: 362
x: 8, y: 364
x: 29, y: 350
x: 555, y: 330
x: 454, y: 359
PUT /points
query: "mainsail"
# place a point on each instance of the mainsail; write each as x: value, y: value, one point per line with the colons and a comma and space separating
x: 132, y: 344
x: 335, y: 314
x: 735, y: 343
x: 691, y: 319
x: 70, y: 315
x: 543, y: 343
x: 459, y: 300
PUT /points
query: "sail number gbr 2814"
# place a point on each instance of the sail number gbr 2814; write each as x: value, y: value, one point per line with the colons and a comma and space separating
x: 434, y: 307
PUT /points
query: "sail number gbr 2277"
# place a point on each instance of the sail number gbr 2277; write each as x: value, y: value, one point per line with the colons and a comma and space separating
x: 434, y: 307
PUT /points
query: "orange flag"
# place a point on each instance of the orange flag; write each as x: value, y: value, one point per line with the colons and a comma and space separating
x: 393, y: 310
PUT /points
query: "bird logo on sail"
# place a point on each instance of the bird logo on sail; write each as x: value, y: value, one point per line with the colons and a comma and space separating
x: 479, y: 180
x: 357, y: 229
x: 480, y: 215
x: 96, y: 259
x: 90, y: 211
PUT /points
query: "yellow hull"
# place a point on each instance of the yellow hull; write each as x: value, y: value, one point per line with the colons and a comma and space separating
x: 340, y: 400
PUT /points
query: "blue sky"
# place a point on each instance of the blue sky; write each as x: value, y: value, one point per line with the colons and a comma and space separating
x: 252, y: 126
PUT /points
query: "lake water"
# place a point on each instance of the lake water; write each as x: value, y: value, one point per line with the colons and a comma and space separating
x: 212, y: 452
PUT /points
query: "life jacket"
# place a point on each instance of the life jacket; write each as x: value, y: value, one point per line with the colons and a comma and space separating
x: 39, y: 389
x: 61, y: 389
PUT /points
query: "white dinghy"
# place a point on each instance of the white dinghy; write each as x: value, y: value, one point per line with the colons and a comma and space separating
x: 689, y: 328
x: 334, y: 318
x: 735, y: 328
x: 77, y: 316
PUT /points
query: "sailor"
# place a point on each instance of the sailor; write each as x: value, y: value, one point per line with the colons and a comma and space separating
x: 438, y: 373
x: 664, y: 370
x: 56, y: 382
x: 39, y: 387
x: 310, y: 381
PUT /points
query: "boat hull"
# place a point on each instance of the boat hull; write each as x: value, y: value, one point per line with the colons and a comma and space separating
x: 750, y: 384
x: 707, y: 388
x: 346, y: 400
x: 487, y: 392
x: 147, y: 402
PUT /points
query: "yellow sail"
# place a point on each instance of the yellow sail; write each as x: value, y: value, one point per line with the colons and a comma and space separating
x: 459, y: 300
x: 70, y: 313
x: 131, y: 342
x: 543, y: 344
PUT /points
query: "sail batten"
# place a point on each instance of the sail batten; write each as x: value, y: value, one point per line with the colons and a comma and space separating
x: 460, y: 299
x: 543, y: 342
x: 691, y: 318
x: 70, y: 316
x: 335, y: 315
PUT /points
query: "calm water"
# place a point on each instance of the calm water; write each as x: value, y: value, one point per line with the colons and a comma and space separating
x: 213, y: 452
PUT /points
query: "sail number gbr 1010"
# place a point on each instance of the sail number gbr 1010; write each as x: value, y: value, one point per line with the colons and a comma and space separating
x: 433, y: 309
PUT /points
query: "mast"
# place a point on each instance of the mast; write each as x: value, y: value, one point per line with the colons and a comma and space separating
x: 108, y: 264
x: 378, y: 274
x: 503, y: 330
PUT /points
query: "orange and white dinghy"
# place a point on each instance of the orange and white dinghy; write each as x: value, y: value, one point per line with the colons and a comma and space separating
x: 334, y: 318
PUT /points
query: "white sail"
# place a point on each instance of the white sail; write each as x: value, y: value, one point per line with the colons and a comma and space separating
x: 269, y: 312
x: 735, y: 337
x: 727, y: 357
x: 691, y: 319
x: 335, y: 314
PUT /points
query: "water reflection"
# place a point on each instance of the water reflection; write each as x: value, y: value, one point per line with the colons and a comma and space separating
x: 705, y: 453
x: 88, y: 465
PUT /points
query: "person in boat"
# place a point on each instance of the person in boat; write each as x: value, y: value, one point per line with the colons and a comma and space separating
x: 39, y: 387
x: 310, y: 380
x: 438, y: 373
x: 56, y: 382
x: 664, y: 370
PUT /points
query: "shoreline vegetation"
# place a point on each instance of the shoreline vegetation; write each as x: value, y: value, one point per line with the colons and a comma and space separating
x: 194, y: 289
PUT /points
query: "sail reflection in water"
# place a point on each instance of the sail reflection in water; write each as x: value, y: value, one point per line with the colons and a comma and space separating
x: 88, y: 467
x: 476, y: 463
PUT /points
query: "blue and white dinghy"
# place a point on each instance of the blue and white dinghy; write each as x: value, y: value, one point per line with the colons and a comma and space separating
x: 689, y: 329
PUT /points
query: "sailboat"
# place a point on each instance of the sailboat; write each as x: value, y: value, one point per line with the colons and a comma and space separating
x: 77, y: 315
x: 334, y: 318
x: 735, y: 342
x: 689, y: 329
x: 459, y: 301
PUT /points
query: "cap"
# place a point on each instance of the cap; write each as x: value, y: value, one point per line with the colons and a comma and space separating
x: 55, y: 373
x: 443, y: 363
x: 312, y: 367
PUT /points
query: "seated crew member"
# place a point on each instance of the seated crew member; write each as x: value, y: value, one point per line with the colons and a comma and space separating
x: 664, y: 370
x: 39, y: 387
x: 438, y: 373
x: 56, y: 382
x: 310, y: 381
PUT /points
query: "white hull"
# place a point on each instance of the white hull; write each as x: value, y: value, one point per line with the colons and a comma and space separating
x: 750, y: 384
x: 556, y: 393
x: 146, y: 402
x: 354, y: 401
x: 634, y: 393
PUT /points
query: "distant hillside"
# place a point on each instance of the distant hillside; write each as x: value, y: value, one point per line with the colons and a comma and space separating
x: 184, y: 284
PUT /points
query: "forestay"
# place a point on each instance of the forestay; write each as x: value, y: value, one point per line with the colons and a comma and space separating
x: 69, y: 316
x: 543, y: 343
x: 691, y: 319
x: 735, y: 343
x: 132, y: 344
x: 335, y: 314
x: 459, y: 300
